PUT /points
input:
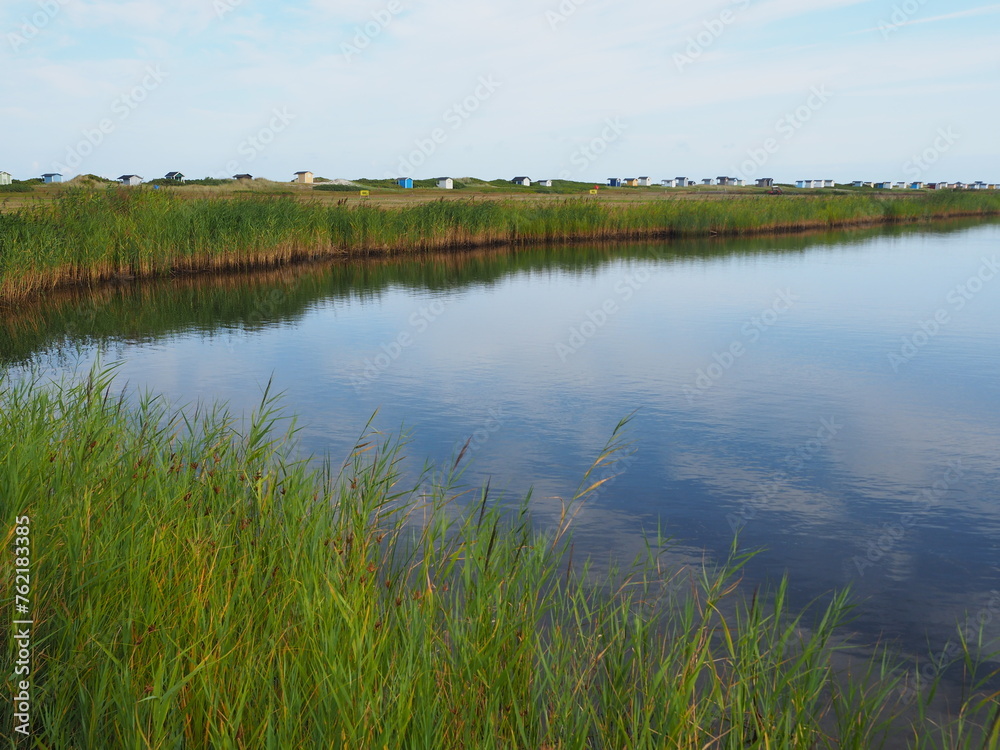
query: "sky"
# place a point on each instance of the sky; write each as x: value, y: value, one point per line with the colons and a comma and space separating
x: 572, y: 89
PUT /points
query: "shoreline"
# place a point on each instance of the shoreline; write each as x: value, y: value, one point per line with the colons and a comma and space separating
x: 93, y: 239
x: 337, y: 579
x: 164, y: 303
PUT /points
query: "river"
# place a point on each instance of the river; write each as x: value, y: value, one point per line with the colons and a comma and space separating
x: 834, y: 397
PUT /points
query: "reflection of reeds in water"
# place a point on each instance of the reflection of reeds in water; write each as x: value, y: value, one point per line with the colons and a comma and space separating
x: 254, y: 298
x: 86, y: 236
x: 194, y: 586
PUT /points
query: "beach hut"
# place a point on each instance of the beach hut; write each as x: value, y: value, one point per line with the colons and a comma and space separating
x: 51, y: 177
x: 405, y: 182
x: 5, y: 178
x: 176, y: 176
x: 684, y: 182
x: 243, y: 177
x: 707, y: 181
x: 130, y: 179
x: 446, y: 183
x: 765, y: 182
x: 614, y: 182
x: 829, y: 183
x: 303, y: 178
x: 544, y: 183
x: 645, y: 182
x: 522, y: 181
x: 669, y: 183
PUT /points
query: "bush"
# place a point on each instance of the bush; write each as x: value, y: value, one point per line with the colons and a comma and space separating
x: 16, y: 187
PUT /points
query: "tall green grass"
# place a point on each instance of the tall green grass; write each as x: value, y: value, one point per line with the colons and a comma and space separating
x: 207, y: 302
x: 86, y: 235
x: 194, y: 586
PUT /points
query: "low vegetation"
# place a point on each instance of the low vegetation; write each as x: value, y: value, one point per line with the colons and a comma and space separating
x: 195, y: 586
x: 85, y: 236
x: 75, y: 316
x: 393, y: 185
x: 201, y: 182
x: 18, y: 186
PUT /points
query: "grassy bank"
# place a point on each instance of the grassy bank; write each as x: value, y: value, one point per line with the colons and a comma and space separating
x: 86, y: 236
x: 195, y: 587
x: 251, y: 300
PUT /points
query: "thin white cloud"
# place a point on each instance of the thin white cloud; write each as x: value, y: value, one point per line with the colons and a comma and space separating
x: 144, y: 16
x: 559, y: 83
x: 985, y: 10
x: 773, y: 11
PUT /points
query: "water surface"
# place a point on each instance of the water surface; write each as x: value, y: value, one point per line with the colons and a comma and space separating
x: 835, y: 397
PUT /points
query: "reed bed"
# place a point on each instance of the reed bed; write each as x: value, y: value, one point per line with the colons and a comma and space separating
x: 86, y: 236
x: 65, y: 319
x: 194, y: 586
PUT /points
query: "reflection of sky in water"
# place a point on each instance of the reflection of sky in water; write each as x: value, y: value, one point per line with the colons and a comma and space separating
x: 484, y: 358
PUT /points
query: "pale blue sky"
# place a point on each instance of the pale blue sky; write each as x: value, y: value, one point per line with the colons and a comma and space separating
x: 585, y: 89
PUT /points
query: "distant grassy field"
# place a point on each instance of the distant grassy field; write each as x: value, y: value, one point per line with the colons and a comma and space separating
x: 66, y: 235
x: 193, y: 585
x: 388, y: 193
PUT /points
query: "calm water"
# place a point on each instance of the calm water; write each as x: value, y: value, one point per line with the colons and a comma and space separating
x: 760, y: 374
